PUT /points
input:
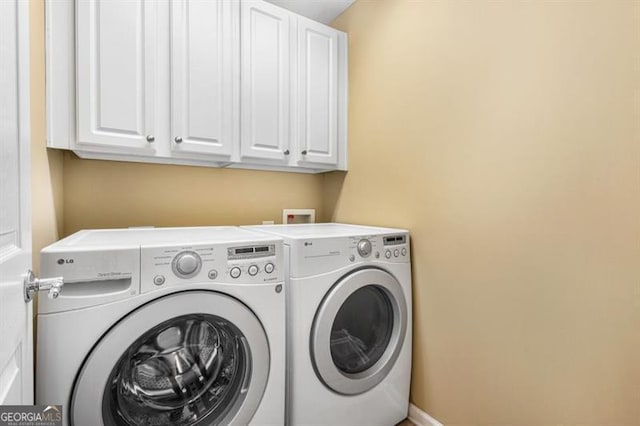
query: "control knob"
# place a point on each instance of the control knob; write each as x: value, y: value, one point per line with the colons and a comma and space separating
x: 187, y: 264
x: 364, y: 247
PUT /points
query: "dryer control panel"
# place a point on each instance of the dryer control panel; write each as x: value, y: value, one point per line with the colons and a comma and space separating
x: 314, y: 256
x: 259, y: 263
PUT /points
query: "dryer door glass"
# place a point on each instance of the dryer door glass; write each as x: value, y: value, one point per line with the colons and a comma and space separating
x: 181, y: 372
x: 361, y: 330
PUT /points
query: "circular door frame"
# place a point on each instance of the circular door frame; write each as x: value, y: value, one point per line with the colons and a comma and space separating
x: 332, y: 376
x: 86, y: 406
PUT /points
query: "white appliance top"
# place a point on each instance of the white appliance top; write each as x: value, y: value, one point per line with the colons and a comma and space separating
x: 323, y: 230
x: 106, y: 238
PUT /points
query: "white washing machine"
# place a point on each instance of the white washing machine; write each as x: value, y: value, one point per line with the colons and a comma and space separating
x: 348, y: 324
x: 180, y: 326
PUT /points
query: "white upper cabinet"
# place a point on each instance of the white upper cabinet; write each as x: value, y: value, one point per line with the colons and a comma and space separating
x: 265, y: 81
x: 116, y: 47
x: 225, y: 83
x: 317, y: 89
x: 204, y: 76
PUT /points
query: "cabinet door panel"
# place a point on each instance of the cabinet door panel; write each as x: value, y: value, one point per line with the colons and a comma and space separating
x: 115, y: 72
x: 317, y: 93
x: 204, y: 76
x: 266, y: 86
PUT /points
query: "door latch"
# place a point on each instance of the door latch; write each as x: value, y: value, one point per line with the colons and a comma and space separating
x: 33, y: 284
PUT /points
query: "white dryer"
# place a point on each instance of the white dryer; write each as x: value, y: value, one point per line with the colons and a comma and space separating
x: 348, y: 324
x: 180, y: 326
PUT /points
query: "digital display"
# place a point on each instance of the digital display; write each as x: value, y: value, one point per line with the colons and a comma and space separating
x: 244, y: 250
x: 251, y: 252
x: 396, y: 239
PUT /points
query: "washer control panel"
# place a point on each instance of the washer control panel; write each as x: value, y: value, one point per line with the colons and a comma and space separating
x: 259, y: 263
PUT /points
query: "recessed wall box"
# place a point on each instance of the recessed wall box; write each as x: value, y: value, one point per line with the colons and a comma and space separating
x: 298, y: 216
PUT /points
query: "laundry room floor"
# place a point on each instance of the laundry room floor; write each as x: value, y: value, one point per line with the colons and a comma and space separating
x: 405, y: 422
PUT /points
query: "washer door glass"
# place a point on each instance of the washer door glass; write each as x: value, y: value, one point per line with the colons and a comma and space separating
x: 187, y: 358
x: 358, y: 331
x: 180, y: 372
x: 361, y: 330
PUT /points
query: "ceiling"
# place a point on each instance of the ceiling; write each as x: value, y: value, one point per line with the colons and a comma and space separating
x: 323, y: 11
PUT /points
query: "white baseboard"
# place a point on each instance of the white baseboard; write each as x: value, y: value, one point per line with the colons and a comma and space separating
x: 420, y: 418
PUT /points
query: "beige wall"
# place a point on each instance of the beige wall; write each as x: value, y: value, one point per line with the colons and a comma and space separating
x: 46, y: 165
x: 105, y: 194
x: 506, y: 137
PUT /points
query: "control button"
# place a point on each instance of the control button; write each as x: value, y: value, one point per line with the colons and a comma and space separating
x: 158, y: 279
x: 396, y: 253
x: 352, y: 258
x: 268, y: 268
x: 377, y: 255
x: 213, y: 274
x: 404, y: 251
x: 253, y: 270
x: 235, y: 272
x: 387, y: 254
x: 186, y: 264
x: 364, y: 247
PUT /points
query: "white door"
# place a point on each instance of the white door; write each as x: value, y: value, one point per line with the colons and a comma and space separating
x: 265, y: 81
x: 317, y: 94
x: 116, y: 46
x: 16, y: 329
x: 204, y: 76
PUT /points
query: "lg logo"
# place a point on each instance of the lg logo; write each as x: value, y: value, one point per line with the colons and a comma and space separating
x: 63, y: 261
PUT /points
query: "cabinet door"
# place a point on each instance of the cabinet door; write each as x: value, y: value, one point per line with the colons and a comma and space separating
x: 266, y: 86
x: 204, y: 76
x: 317, y: 94
x: 116, y: 46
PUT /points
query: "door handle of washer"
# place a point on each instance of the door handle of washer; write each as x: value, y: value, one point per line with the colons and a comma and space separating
x: 247, y: 365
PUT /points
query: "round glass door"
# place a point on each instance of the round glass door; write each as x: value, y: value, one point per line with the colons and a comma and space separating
x: 361, y: 330
x: 183, y: 371
x: 358, y: 331
x: 191, y: 358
